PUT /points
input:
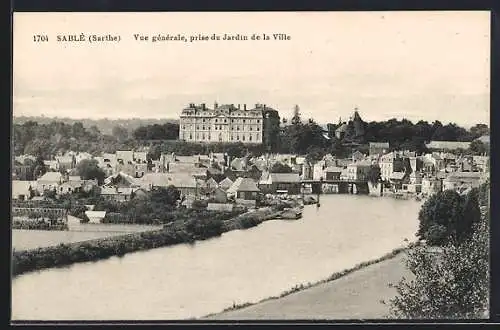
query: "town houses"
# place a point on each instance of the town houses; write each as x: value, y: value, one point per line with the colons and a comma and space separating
x: 204, y: 176
x: 241, y: 179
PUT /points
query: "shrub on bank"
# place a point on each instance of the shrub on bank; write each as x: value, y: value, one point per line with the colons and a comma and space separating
x: 38, y: 225
x: 452, y: 282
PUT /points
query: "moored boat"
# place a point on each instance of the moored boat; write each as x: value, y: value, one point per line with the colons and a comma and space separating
x: 292, y: 213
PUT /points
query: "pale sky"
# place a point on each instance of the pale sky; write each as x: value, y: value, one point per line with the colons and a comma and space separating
x: 417, y: 65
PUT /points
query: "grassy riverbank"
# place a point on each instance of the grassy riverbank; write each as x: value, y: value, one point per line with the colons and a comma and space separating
x: 175, y: 233
x: 350, y: 294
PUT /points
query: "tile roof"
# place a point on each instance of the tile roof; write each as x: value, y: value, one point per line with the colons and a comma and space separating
x: 72, y: 184
x: 449, y: 145
x: 187, y: 159
x: 140, y: 155
x: 342, y: 128
x: 64, y: 159
x: 226, y: 183
x: 50, y: 176
x: 212, y: 183
x: 237, y: 164
x: 463, y: 175
x: 108, y: 155
x: 387, y: 157
x: 334, y: 169
x: 243, y: 184
x: 485, y: 139
x: 342, y: 162
x: 124, y: 176
x: 95, y: 214
x: 116, y: 191
x: 285, y: 177
x: 441, y: 175
x: 183, y: 167
x: 397, y: 175
x: 180, y: 180
x: 357, y: 153
x: 365, y: 162
x: 379, y: 145
x: 22, y: 187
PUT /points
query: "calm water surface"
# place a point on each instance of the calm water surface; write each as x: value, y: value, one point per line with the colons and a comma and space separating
x: 188, y: 281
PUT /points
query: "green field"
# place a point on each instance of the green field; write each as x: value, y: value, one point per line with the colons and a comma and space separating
x: 355, y: 296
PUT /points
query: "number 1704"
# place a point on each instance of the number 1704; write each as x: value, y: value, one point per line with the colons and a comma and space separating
x: 40, y: 38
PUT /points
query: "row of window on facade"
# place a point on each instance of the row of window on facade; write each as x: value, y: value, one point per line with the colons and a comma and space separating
x: 225, y: 121
x: 211, y: 114
x: 232, y: 137
x: 220, y: 128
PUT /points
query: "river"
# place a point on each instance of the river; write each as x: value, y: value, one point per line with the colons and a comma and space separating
x: 187, y: 281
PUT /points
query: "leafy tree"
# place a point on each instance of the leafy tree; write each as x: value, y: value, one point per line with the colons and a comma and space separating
x: 88, y: 169
x: 479, y: 130
x: 167, y: 131
x: 237, y: 150
x: 50, y: 193
x: 270, y: 130
x: 448, y: 217
x: 471, y: 215
x: 78, y: 131
x: 167, y: 196
x: 31, y: 192
x: 296, y: 120
x: 374, y: 175
x: 301, y: 137
x: 407, y: 165
x: 280, y: 168
x: 450, y: 284
x: 441, y: 218
x: 154, y: 152
x: 40, y: 168
x: 477, y: 147
x: 254, y: 173
x: 314, y: 154
x: 120, y: 133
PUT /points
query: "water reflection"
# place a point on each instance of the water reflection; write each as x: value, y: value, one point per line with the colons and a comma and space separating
x: 187, y: 281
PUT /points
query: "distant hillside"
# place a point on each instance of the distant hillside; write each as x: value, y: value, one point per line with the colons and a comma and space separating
x: 105, y: 126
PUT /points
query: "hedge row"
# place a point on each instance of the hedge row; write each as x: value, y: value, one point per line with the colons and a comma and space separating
x: 38, y: 225
x: 197, y: 228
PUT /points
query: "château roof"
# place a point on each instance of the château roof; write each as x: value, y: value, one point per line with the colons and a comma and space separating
x: 342, y: 128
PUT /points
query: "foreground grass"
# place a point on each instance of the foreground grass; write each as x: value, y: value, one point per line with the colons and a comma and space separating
x: 303, y: 287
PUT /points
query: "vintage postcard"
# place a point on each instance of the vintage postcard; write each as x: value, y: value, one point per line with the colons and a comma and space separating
x: 250, y: 166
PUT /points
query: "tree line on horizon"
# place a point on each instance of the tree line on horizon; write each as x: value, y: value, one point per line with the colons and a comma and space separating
x: 304, y: 137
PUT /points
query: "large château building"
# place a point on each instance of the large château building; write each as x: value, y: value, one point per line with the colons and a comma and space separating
x: 227, y: 123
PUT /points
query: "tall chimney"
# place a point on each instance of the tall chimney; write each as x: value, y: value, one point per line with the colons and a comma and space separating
x: 238, y: 106
x: 244, y: 106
